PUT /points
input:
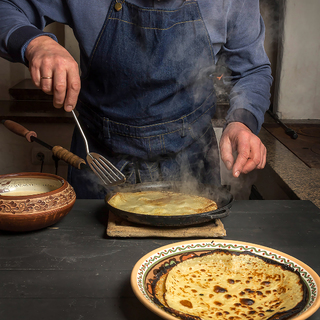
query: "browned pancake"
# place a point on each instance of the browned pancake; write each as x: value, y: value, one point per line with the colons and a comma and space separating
x: 231, y: 285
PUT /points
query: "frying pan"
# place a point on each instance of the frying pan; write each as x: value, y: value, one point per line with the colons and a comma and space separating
x: 220, y: 195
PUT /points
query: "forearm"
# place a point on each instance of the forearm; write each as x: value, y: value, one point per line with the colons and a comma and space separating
x: 250, y: 99
x: 20, y: 22
x: 250, y: 71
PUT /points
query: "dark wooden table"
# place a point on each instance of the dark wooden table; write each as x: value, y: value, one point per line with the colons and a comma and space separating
x: 72, y: 271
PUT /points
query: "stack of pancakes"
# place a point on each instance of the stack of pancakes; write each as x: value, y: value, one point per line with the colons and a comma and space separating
x: 230, y: 285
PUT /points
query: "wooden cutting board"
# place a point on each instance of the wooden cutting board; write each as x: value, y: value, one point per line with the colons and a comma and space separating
x: 118, y: 227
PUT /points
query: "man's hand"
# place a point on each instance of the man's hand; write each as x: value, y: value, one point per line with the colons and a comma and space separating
x: 54, y: 70
x: 251, y: 151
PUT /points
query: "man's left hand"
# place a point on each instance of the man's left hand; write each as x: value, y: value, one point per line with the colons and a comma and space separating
x: 251, y: 152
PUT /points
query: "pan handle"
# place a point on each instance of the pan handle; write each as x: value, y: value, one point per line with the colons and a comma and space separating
x: 19, y: 129
x: 58, y: 151
x: 221, y: 214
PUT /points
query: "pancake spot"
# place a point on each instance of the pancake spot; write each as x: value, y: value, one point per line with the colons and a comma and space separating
x: 249, y: 290
x: 218, y: 289
x: 247, y: 302
x: 282, y: 290
x: 186, y: 303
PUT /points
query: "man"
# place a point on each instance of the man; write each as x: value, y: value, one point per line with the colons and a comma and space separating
x: 147, y: 95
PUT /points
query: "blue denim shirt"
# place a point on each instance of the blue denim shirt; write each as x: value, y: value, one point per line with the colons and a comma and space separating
x: 235, y: 29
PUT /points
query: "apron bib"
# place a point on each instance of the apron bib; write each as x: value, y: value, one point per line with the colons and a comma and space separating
x: 148, y: 97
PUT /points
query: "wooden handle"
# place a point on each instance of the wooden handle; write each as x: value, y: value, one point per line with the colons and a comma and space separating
x: 19, y: 129
x: 67, y: 156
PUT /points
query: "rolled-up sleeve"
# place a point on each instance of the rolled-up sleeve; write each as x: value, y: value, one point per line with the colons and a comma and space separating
x: 250, y: 71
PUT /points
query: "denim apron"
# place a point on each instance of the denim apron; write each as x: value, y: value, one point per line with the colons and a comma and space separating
x: 148, y: 98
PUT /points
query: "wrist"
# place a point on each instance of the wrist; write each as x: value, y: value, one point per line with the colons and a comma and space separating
x: 238, y: 124
x: 35, y: 43
x: 244, y: 117
x: 20, y: 39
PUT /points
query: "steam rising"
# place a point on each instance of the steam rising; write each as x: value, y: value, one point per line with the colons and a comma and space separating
x: 190, y: 182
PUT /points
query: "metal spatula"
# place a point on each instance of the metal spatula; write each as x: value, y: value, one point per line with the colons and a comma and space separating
x: 103, y: 168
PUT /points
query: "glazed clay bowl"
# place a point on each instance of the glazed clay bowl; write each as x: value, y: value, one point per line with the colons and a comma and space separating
x: 32, y: 201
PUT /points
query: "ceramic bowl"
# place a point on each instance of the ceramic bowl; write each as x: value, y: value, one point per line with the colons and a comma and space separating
x: 148, y: 267
x: 32, y: 201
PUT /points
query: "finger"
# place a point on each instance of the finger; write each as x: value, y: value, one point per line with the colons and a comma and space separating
x: 59, y: 88
x: 226, y: 152
x: 249, y: 166
x: 45, y: 77
x: 242, y: 157
x: 257, y: 159
x: 46, y: 84
x: 259, y: 154
x: 73, y: 89
x: 263, y: 158
x: 35, y: 76
x: 255, y: 156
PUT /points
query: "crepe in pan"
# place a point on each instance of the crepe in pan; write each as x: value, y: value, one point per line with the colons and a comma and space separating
x: 161, y: 203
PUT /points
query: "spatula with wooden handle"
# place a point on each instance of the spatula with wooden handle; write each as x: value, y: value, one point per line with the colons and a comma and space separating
x: 58, y: 151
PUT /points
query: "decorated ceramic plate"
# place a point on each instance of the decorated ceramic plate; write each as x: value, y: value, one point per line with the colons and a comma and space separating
x: 159, y: 282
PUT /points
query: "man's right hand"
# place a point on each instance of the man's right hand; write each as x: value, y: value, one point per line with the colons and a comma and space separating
x: 54, y: 70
